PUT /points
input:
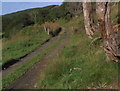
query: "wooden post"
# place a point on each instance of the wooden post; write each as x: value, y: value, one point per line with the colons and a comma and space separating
x: 45, y: 29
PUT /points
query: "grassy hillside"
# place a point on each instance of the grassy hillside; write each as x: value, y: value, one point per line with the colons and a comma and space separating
x: 21, y: 70
x: 80, y: 64
x: 14, y: 22
x: 24, y: 42
x: 22, y: 31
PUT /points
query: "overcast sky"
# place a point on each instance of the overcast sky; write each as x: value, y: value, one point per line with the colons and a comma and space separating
x: 10, y: 7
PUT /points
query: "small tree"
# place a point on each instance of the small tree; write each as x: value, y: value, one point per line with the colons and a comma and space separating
x: 33, y: 15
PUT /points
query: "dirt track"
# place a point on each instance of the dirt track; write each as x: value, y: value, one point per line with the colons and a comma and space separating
x: 30, y: 78
x: 27, y: 58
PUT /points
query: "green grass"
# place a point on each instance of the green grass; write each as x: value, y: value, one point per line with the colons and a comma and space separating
x: 23, y: 43
x: 21, y: 70
x: 79, y: 65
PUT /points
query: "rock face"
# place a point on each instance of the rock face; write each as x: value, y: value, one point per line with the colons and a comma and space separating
x: 75, y: 8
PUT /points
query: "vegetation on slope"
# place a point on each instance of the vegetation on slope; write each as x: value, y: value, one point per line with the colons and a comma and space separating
x: 24, y: 42
x: 79, y: 67
x: 27, y: 65
x: 20, y: 36
x: 14, y: 22
x: 79, y: 64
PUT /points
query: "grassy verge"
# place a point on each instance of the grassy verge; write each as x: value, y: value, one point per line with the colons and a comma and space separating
x: 21, y: 70
x: 79, y: 66
x: 24, y: 42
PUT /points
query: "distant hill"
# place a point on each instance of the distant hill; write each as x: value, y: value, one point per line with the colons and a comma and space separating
x: 16, y: 21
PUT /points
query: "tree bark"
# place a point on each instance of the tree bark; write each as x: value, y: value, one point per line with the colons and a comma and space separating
x: 100, y: 10
x: 88, y: 19
x: 111, y: 37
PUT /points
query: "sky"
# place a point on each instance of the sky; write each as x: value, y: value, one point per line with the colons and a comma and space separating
x: 10, y: 7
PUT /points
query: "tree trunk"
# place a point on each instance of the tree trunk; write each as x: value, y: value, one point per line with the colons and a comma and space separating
x: 88, y: 19
x: 111, y: 37
x: 100, y: 10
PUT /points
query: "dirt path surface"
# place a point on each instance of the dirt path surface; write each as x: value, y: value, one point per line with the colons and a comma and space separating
x: 31, y: 77
x: 27, y: 58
